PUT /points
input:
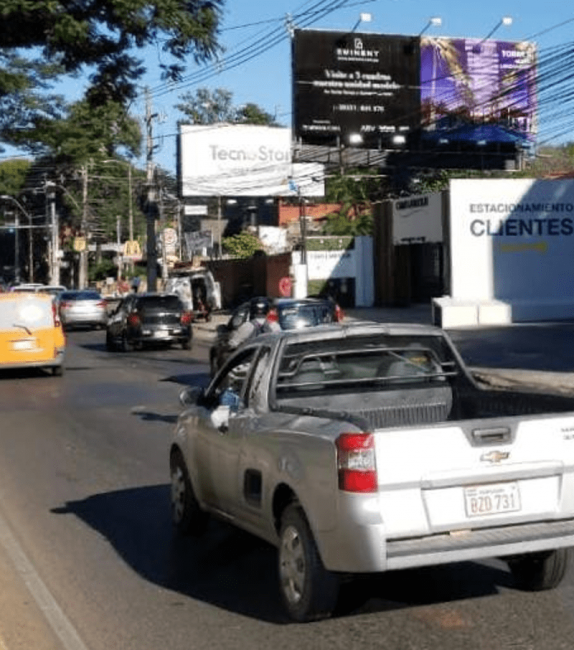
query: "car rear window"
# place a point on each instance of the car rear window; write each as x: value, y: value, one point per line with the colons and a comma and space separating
x: 80, y: 295
x: 30, y: 312
x: 169, y: 303
x: 299, y: 316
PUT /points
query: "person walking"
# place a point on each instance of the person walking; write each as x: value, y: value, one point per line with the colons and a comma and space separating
x: 136, y: 283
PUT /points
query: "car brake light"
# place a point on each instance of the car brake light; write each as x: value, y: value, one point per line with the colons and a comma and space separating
x: 133, y: 320
x: 272, y: 316
x: 339, y: 314
x: 186, y: 318
x: 356, y: 462
x: 102, y: 303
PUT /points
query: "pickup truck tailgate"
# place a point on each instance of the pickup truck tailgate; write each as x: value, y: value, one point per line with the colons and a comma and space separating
x: 475, y: 475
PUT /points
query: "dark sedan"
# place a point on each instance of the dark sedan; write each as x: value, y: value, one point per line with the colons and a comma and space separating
x: 149, y: 319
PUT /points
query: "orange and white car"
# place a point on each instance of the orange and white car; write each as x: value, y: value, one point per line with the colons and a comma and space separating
x: 31, y: 333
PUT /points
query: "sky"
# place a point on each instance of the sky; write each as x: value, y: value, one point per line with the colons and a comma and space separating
x: 256, y: 64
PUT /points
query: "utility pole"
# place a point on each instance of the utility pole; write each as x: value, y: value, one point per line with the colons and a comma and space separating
x: 83, y: 271
x: 50, y: 189
x: 151, y: 203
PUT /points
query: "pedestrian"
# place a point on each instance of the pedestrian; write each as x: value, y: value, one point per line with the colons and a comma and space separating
x: 136, y: 283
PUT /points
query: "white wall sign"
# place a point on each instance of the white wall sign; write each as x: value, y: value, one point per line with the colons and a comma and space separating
x: 243, y: 160
x: 513, y: 241
x: 418, y: 220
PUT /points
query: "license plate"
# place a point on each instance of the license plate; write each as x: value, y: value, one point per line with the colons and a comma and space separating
x: 161, y: 334
x: 492, y: 499
x: 25, y: 344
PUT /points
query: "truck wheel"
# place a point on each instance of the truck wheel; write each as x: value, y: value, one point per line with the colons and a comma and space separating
x: 308, y: 590
x: 540, y: 571
x: 187, y: 516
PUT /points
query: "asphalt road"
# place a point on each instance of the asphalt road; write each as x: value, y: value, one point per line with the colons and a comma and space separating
x: 88, y: 560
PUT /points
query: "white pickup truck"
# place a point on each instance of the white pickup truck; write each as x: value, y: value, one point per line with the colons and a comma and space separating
x: 365, y: 448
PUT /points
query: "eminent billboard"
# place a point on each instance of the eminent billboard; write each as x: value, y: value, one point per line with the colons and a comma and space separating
x: 243, y: 160
x: 370, y: 89
x: 351, y: 88
x: 478, y: 91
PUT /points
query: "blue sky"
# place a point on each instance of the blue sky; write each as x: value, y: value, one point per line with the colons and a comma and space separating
x: 263, y: 76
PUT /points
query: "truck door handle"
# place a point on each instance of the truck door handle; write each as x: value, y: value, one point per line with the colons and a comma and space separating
x: 493, y: 435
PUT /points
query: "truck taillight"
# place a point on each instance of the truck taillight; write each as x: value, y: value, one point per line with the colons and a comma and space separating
x: 186, y: 318
x: 356, y: 462
x: 133, y: 320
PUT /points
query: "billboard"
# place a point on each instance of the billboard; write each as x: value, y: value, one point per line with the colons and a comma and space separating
x: 243, y: 160
x: 478, y: 92
x: 350, y: 88
x: 388, y: 91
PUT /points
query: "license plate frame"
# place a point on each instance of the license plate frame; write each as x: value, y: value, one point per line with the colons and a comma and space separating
x: 492, y: 499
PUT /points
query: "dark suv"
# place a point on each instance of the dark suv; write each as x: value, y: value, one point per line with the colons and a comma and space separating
x: 287, y: 313
x: 152, y: 319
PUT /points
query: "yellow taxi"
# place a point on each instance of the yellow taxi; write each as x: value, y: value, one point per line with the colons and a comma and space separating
x: 31, y: 333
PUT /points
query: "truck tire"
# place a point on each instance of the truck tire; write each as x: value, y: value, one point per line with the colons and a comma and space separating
x: 540, y: 571
x: 187, y: 516
x: 308, y: 590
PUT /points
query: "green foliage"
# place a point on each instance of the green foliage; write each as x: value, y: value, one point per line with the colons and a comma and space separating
x: 13, y: 174
x: 106, y: 268
x: 87, y: 133
x: 206, y: 106
x: 242, y: 246
x: 103, y: 34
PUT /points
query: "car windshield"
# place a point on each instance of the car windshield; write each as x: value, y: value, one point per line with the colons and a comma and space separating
x: 363, y: 362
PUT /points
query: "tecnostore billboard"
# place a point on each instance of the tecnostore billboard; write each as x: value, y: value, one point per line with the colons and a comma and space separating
x: 370, y: 89
x: 350, y: 88
x: 243, y: 160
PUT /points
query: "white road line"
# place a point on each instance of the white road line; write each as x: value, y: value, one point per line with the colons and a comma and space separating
x: 58, y: 621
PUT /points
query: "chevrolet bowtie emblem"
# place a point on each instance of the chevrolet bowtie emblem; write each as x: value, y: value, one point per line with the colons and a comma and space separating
x: 495, y: 456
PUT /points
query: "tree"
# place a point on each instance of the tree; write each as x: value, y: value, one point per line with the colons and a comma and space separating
x: 206, y: 106
x: 242, y: 246
x: 99, y: 36
x: 13, y: 175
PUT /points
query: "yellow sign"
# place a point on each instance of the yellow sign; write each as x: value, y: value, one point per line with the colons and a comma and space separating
x: 132, y: 248
x: 79, y: 244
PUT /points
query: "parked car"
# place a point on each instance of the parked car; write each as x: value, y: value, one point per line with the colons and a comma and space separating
x: 287, y: 313
x: 82, y: 308
x: 31, y: 333
x: 367, y: 447
x: 149, y: 319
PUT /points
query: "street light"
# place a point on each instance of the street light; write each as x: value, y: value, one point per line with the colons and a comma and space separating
x: 7, y: 197
x: 505, y: 21
x: 433, y: 22
x: 363, y: 18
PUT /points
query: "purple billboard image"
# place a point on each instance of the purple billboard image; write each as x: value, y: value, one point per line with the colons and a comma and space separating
x: 478, y: 92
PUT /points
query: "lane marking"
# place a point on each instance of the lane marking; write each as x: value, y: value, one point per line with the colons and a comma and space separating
x: 56, y: 618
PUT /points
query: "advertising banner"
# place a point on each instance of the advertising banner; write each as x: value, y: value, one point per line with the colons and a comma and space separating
x: 350, y: 88
x: 478, y: 92
x: 243, y: 160
x: 513, y: 241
